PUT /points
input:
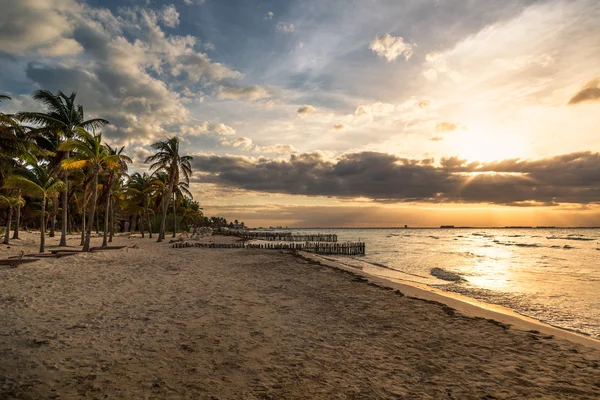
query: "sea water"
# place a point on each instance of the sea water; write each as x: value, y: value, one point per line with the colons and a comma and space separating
x: 552, y: 275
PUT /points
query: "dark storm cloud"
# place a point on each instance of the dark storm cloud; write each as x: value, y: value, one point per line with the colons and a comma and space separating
x: 570, y: 178
x: 590, y: 92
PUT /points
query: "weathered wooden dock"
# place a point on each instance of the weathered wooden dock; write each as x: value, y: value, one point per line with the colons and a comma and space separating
x: 285, y: 237
x: 346, y: 249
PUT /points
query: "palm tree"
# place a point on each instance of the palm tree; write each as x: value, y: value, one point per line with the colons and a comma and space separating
x: 11, y: 203
x: 180, y: 191
x: 169, y: 160
x: 88, y: 152
x: 36, y: 181
x: 112, y: 171
x: 64, y: 120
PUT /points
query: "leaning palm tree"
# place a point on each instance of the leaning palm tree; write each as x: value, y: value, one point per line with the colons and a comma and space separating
x: 11, y: 203
x: 63, y: 119
x: 36, y: 181
x: 168, y: 159
x: 88, y: 152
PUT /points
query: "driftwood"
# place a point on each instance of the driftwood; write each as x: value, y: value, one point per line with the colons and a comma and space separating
x: 51, y: 255
x: 107, y: 248
x: 65, y: 251
x: 15, y: 262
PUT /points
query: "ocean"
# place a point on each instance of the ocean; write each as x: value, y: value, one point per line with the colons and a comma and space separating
x: 552, y: 275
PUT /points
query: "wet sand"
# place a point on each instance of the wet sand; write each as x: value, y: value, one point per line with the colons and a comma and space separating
x: 156, y: 322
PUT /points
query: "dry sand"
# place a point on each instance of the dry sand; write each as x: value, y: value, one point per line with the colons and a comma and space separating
x: 154, y: 322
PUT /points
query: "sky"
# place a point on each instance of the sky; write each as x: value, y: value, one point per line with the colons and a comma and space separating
x: 312, y: 113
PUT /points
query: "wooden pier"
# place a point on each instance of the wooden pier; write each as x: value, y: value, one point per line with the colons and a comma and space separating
x: 285, y: 237
x: 345, y: 249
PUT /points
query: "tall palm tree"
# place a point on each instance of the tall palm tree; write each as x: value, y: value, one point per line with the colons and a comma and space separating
x: 88, y: 152
x: 180, y: 191
x: 64, y: 119
x: 11, y: 203
x: 168, y: 159
x: 36, y: 181
x: 112, y: 171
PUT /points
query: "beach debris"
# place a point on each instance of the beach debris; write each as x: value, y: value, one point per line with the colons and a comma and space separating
x: 445, y: 275
x: 15, y: 262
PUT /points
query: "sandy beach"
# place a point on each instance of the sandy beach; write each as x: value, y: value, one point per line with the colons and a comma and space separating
x: 152, y: 322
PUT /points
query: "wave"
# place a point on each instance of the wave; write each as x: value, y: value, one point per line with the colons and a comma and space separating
x: 569, y: 237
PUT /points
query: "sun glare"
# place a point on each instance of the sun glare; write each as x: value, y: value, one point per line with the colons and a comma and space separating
x: 482, y: 146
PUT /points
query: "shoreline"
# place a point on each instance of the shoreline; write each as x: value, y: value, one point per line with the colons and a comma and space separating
x: 152, y: 321
x: 465, y: 305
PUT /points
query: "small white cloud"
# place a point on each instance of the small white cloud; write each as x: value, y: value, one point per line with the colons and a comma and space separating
x: 223, y: 129
x: 438, y: 65
x: 391, y: 47
x: 305, y: 110
x: 269, y: 15
x: 169, y: 16
x: 287, y: 28
x: 208, y: 46
x: 204, y: 127
x: 377, y: 109
x: 242, y: 143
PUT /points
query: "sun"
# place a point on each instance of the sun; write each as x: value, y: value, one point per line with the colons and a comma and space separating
x: 487, y: 146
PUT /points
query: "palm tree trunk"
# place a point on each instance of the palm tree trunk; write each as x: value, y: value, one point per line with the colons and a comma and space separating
x: 174, y: 215
x: 18, y: 218
x: 112, y: 219
x: 8, y: 220
x: 43, y: 225
x: 65, y: 208
x: 53, y: 214
x: 88, y: 235
x: 106, y: 214
x: 149, y: 223
x: 83, y: 208
x: 141, y: 224
x: 166, y: 199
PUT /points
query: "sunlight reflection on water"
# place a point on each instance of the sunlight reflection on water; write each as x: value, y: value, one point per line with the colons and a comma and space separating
x: 549, y: 274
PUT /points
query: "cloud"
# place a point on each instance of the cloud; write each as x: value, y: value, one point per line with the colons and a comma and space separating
x: 269, y: 15
x: 286, y: 28
x: 169, y: 16
x: 377, y: 109
x: 445, y: 127
x: 339, y: 127
x: 436, y: 65
x: 129, y: 70
x: 206, y: 127
x: 305, y: 110
x: 29, y: 25
x: 590, y: 92
x: 436, y: 139
x: 249, y: 93
x: 242, y: 142
x: 223, y: 129
x: 280, y: 149
x: 390, y: 47
x: 569, y: 178
x: 140, y: 154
